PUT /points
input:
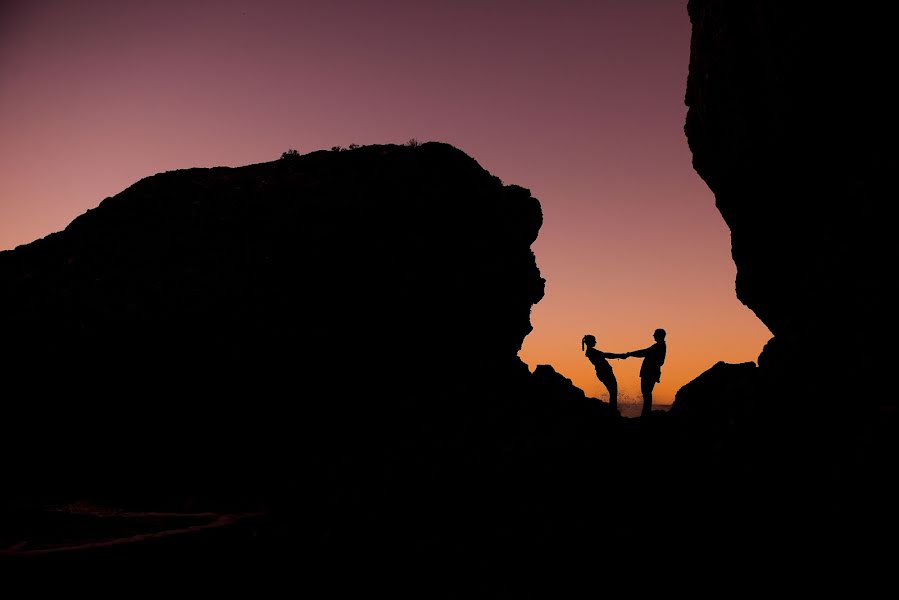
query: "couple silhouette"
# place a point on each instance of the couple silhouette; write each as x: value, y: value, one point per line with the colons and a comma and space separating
x: 650, y: 370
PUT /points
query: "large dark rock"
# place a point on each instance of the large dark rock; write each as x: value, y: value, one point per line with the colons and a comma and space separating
x: 330, y: 340
x: 718, y: 396
x: 212, y: 320
x: 792, y: 123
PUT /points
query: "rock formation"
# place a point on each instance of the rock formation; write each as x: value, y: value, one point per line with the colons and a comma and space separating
x: 330, y: 339
x: 792, y: 123
x: 204, y: 313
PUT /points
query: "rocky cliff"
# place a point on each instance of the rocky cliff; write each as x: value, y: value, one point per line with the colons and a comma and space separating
x: 792, y: 123
x: 323, y: 296
x: 329, y: 339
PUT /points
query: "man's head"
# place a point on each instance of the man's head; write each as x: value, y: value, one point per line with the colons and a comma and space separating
x: 588, y: 340
x: 659, y: 335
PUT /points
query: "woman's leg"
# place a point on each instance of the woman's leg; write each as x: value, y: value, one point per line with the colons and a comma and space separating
x: 612, y: 385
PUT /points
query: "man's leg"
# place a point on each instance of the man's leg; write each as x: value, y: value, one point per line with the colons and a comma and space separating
x: 646, y: 385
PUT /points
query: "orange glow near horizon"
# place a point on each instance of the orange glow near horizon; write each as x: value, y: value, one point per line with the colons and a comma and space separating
x: 582, y: 103
x: 677, y: 275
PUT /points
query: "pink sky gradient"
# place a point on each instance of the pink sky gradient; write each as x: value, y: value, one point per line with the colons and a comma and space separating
x: 580, y: 101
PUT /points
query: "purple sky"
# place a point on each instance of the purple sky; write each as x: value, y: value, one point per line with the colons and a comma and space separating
x: 579, y: 101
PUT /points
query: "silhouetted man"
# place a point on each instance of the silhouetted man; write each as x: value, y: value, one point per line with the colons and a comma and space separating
x: 603, y: 369
x: 651, y: 369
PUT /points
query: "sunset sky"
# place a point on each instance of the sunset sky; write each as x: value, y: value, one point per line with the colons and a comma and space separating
x: 582, y: 102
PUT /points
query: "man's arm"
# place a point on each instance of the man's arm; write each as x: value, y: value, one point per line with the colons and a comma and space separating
x: 640, y: 353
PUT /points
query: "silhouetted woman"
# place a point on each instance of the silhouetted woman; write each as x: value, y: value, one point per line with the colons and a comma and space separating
x: 603, y: 369
x: 651, y: 369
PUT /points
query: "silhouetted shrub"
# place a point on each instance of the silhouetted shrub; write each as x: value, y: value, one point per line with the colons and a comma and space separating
x: 352, y: 146
x: 336, y: 148
x: 290, y: 153
x: 413, y: 143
